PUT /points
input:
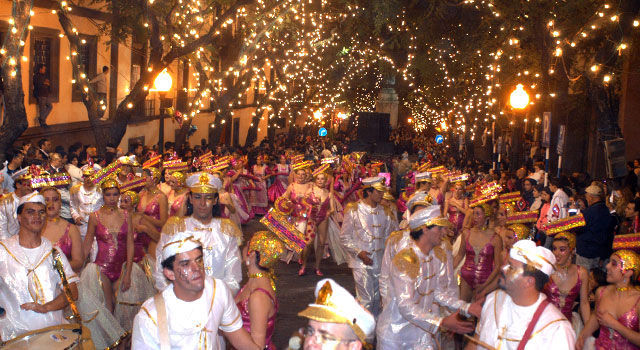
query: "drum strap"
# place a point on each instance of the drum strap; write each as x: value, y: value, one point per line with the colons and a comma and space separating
x: 163, y: 325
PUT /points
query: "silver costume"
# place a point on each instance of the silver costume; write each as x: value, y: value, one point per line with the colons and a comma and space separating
x: 418, y: 285
x: 220, y: 239
x: 83, y: 203
x: 366, y: 229
x: 9, y: 225
x: 27, y: 275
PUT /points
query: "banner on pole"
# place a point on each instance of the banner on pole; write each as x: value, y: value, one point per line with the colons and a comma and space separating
x: 546, y: 129
x: 562, y: 131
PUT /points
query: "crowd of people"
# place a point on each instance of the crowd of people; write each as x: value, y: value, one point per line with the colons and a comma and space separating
x: 445, y: 252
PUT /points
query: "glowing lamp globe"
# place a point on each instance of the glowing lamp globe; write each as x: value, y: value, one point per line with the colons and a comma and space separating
x: 519, y: 98
x: 163, y: 81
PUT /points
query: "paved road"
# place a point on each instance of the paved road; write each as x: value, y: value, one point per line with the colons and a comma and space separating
x: 294, y: 293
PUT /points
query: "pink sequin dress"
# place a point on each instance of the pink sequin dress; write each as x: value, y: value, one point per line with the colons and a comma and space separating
x: 477, y: 265
x: 112, y: 249
x: 177, y: 204
x: 319, y: 209
x: 64, y: 243
x: 563, y: 300
x: 610, y: 339
x: 258, y: 198
x: 239, y: 187
x: 243, y: 306
x: 279, y: 186
x: 140, y: 239
x: 456, y: 217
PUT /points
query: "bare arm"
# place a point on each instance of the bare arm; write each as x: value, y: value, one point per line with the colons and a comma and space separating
x: 492, y: 281
x: 88, y: 238
x: 126, y: 282
x: 77, y: 251
x: 591, y: 325
x: 164, y: 212
x: 241, y: 339
x: 585, y: 309
x: 58, y: 303
x: 259, y: 308
x: 461, y: 252
x: 147, y: 227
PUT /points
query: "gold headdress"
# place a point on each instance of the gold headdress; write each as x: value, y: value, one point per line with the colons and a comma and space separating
x: 568, y: 236
x: 109, y: 183
x: 521, y: 231
x: 269, y: 247
x: 630, y: 261
x: 134, y: 197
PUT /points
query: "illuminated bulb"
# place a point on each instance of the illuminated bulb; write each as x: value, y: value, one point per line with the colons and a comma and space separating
x: 594, y: 68
x: 129, y: 105
x: 606, y: 78
x: 623, y: 46
x: 636, y: 23
x: 614, y: 18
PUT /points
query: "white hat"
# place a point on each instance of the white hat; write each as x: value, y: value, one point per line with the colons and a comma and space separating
x: 334, y: 304
x: 179, y: 242
x: 423, y: 177
x: 203, y: 183
x: 429, y: 216
x: 594, y: 190
x: 419, y: 198
x: 33, y: 197
x: 528, y: 253
x: 128, y: 160
x: 376, y: 182
x: 21, y: 174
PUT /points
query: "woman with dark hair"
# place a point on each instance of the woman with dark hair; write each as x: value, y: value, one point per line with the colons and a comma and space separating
x: 153, y: 205
x: 113, y: 230
x: 617, y: 306
x: 177, y: 196
x: 297, y: 193
x: 257, y: 298
x: 60, y: 232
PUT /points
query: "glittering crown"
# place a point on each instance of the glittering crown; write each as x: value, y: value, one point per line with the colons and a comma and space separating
x: 109, y: 183
x: 630, y: 261
x: 568, y: 236
x: 269, y: 246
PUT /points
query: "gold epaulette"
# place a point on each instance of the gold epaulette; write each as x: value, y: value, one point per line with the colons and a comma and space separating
x: 6, y: 198
x: 230, y: 228
x: 173, y: 225
x: 406, y: 261
x: 394, y: 237
x: 75, y: 189
x: 440, y: 254
x: 351, y: 206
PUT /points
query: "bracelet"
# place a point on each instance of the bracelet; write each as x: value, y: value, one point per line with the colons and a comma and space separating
x: 465, y: 310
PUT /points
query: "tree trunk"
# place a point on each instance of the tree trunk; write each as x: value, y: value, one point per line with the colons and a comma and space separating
x: 15, y: 116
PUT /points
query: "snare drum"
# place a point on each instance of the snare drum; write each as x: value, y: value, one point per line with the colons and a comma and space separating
x: 64, y: 336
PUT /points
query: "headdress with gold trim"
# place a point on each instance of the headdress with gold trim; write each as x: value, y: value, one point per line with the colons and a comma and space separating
x: 376, y: 182
x: 155, y: 173
x: 109, y: 183
x: 334, y: 304
x: 269, y: 246
x: 567, y: 236
x: 521, y: 231
x: 302, y: 165
x: 179, y: 176
x: 203, y: 183
x: 564, y: 224
x: 180, y: 242
x: 528, y: 253
x: 134, y: 197
x: 322, y: 169
x: 429, y: 216
x: 630, y: 261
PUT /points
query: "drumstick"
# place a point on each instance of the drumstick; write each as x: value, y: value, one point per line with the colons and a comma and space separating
x: 481, y: 343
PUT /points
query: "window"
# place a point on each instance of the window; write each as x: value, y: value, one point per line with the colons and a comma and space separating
x: 45, y: 49
x: 87, y: 62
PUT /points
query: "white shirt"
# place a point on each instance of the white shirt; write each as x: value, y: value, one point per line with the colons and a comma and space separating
x: 558, y: 208
x: 83, y: 203
x: 503, y: 324
x: 9, y: 224
x: 27, y: 275
x: 220, y: 243
x: 192, y: 325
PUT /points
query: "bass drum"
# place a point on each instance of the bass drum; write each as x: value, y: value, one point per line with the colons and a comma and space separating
x: 64, y: 336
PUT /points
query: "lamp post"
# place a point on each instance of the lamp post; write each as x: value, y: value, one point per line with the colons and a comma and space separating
x: 519, y: 100
x: 162, y: 84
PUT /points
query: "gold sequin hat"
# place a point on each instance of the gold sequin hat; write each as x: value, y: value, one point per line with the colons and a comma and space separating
x: 302, y: 165
x: 269, y: 247
x: 429, y: 216
x: 155, y: 172
x: 334, y: 304
x: 180, y: 242
x: 109, y: 183
x: 128, y: 160
x: 528, y: 253
x: 521, y: 231
x: 179, y: 176
x: 204, y: 183
x: 630, y: 261
x: 134, y: 197
x: 376, y: 182
x: 568, y: 236
x: 322, y: 169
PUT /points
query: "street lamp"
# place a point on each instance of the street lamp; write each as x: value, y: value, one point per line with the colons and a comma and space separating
x: 162, y: 84
x: 519, y: 98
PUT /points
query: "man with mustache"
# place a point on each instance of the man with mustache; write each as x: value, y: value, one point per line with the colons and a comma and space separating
x: 190, y: 311
x: 518, y: 315
x: 30, y: 287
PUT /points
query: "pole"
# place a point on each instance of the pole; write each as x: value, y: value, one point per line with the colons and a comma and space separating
x: 493, y: 140
x: 161, y: 126
x: 559, y: 165
x: 546, y: 168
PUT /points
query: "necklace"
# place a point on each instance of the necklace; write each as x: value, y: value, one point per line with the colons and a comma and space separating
x: 622, y: 289
x: 563, y: 272
x: 265, y: 274
x: 110, y: 208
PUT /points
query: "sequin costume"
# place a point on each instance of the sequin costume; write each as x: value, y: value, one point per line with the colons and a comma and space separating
x: 418, y: 286
x: 366, y: 229
x: 238, y: 189
x: 140, y: 239
x: 478, y: 265
x: 300, y: 213
x: 611, y: 339
x: 258, y: 197
x: 177, y: 204
x: 563, y: 300
x: 456, y: 217
x: 9, y: 225
x: 83, y: 203
x: 64, y: 242
x: 27, y: 275
x: 319, y: 210
x: 112, y: 249
x: 220, y: 239
x: 243, y: 306
x: 279, y: 186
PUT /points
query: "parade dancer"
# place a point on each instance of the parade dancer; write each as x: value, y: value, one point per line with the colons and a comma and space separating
x: 281, y: 182
x: 365, y: 228
x: 9, y: 224
x: 219, y: 237
x: 519, y: 315
x: 189, y: 313
x: 86, y: 198
x: 258, y: 197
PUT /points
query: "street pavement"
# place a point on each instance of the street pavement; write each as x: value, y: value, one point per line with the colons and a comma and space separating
x: 293, y: 292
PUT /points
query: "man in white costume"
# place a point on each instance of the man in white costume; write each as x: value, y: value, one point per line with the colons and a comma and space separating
x: 421, y: 281
x: 417, y: 200
x: 30, y: 287
x: 336, y: 320
x: 219, y: 237
x: 86, y: 198
x: 9, y: 225
x: 188, y: 313
x: 519, y: 312
x: 365, y: 228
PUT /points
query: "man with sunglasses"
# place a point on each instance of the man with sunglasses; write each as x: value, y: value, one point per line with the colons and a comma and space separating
x: 336, y: 320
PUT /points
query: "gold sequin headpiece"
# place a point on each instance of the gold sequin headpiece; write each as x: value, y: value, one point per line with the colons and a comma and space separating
x: 521, y: 231
x: 204, y: 183
x: 630, y: 261
x: 179, y: 176
x: 568, y: 236
x: 134, y: 197
x: 155, y: 173
x: 109, y: 183
x: 269, y: 247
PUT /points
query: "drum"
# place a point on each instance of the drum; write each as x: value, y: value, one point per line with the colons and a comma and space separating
x: 64, y: 336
